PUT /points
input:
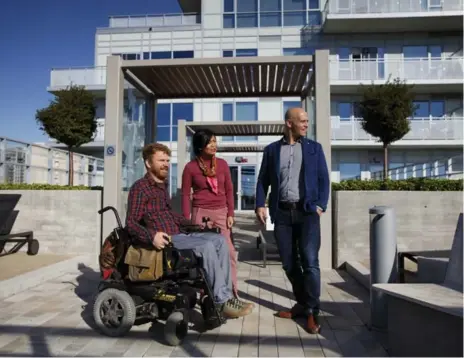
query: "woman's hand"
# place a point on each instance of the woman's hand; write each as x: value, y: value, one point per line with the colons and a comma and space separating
x: 230, y: 222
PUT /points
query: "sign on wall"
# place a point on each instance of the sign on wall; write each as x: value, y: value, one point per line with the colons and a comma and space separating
x: 110, y: 150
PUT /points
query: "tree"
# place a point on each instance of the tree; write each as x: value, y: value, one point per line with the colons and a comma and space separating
x: 70, y: 118
x: 385, y: 110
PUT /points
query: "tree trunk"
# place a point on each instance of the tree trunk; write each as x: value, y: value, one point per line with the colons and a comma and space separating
x: 385, y: 161
x: 71, y: 168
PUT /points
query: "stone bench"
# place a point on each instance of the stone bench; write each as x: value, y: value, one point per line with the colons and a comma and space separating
x: 426, y: 319
x: 7, y: 218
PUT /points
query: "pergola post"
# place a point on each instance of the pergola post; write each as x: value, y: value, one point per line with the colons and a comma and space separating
x: 182, y: 159
x: 322, y: 133
x: 114, y: 113
x: 150, y: 119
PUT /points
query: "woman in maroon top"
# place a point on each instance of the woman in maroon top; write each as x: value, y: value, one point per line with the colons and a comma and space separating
x: 213, y: 193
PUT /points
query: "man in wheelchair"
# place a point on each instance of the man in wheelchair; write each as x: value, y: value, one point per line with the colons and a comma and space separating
x: 151, y: 221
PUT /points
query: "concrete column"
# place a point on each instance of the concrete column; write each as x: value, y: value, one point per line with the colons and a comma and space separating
x: 323, y: 136
x: 114, y: 112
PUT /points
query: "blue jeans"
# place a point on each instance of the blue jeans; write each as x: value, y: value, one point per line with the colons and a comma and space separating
x: 216, y: 260
x: 298, y: 238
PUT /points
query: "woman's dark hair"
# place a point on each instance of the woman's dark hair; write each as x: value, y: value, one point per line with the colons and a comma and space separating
x: 201, y: 139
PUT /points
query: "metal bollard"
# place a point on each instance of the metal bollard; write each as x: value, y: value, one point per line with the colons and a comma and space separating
x: 383, y: 260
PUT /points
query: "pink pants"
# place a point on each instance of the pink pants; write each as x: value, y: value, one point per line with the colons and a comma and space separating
x: 219, y: 218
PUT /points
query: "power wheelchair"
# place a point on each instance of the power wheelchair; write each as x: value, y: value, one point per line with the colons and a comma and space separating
x: 120, y: 301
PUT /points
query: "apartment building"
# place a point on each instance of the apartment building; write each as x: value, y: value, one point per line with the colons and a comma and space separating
x: 369, y: 41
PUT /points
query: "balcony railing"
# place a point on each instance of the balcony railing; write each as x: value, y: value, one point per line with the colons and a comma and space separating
x: 447, y: 128
x: 90, y: 76
x: 358, y: 7
x: 425, y: 69
x: 156, y: 20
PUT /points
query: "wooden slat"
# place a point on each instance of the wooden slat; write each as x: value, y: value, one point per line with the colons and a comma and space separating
x: 280, y: 72
x: 295, y: 78
x: 181, y: 84
x: 189, y: 79
x: 233, y: 77
x: 290, y: 69
x: 302, y: 80
x: 223, y: 83
x: 241, y: 79
x: 264, y: 73
x: 161, y: 78
x: 271, y: 82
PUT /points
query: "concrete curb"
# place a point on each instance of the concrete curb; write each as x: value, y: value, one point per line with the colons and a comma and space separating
x: 34, y: 278
x: 359, y: 272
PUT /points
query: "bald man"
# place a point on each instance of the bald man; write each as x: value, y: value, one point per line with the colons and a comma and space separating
x: 296, y: 170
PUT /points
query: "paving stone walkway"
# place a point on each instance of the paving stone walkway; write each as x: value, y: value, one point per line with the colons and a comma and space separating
x: 53, y: 319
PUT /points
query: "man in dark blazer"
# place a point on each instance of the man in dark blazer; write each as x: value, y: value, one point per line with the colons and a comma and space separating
x: 296, y: 170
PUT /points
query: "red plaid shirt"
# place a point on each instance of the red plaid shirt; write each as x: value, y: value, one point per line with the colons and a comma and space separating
x: 149, y: 211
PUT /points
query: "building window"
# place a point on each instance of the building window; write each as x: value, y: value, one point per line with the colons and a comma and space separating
x: 240, y: 52
x: 158, y: 55
x: 434, y: 109
x: 345, y: 111
x: 286, y: 105
x: 168, y: 115
x: 240, y: 111
x: 130, y: 56
x: 229, y: 5
x: 294, y: 12
x: 246, y: 52
x: 173, y: 180
x: 182, y: 54
x: 271, y: 13
x: 180, y: 111
x: 298, y: 51
x: 247, y: 13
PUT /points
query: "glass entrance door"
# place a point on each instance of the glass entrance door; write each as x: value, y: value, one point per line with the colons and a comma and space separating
x: 244, y: 183
x: 234, y: 173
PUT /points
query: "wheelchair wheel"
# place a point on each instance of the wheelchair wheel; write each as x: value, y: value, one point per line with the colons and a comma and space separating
x: 114, y: 312
x: 176, y: 328
x: 33, y: 247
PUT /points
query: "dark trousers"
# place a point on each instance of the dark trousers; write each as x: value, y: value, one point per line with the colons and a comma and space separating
x: 298, y: 238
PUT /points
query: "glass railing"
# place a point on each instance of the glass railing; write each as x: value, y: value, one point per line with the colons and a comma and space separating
x: 88, y: 76
x: 22, y: 162
x: 156, y: 20
x: 445, y: 128
x: 432, y: 69
x: 354, y: 7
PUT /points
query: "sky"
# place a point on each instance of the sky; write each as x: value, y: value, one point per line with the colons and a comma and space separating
x: 38, y: 35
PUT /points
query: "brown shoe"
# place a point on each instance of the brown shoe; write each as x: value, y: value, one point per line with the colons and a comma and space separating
x: 234, y: 308
x: 312, y: 324
x: 296, y: 311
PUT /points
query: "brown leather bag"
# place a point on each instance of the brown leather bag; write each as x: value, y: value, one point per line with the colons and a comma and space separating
x: 144, y: 264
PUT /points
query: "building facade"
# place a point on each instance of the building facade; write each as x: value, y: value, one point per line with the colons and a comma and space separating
x: 369, y: 41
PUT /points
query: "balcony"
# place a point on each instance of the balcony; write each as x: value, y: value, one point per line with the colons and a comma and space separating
x: 425, y: 131
x: 434, y: 73
x: 341, y: 16
x: 154, y: 21
x: 94, y: 78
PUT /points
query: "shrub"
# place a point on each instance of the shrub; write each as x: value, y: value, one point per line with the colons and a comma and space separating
x: 412, y: 184
x: 46, y: 187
